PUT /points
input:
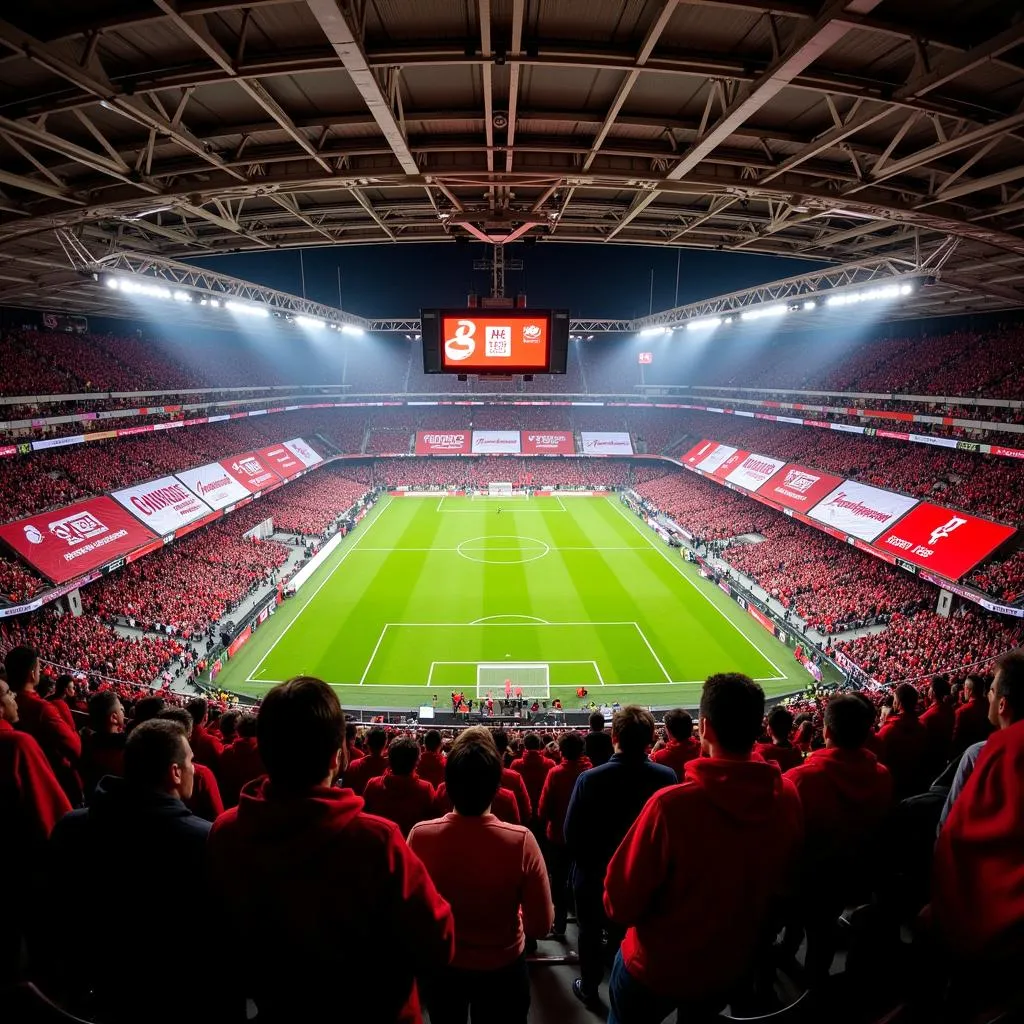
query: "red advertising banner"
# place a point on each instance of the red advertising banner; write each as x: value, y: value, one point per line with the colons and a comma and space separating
x: 548, y: 442
x: 698, y: 453
x: 799, y: 487
x: 70, y: 541
x: 736, y: 459
x: 443, y: 442
x: 281, y: 460
x: 947, y: 542
x: 757, y: 614
x: 239, y: 641
x: 494, y: 339
x: 251, y: 471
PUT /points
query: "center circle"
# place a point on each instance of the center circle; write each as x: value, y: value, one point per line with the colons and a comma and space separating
x: 516, y: 551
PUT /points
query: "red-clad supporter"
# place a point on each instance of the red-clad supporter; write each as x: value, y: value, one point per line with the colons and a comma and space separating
x: 103, y: 744
x: 205, y: 801
x: 978, y: 872
x: 206, y: 745
x: 61, y: 698
x: 398, y: 794
x: 511, y: 780
x: 971, y: 724
x: 504, y: 807
x: 779, y: 749
x: 903, y: 744
x: 431, y: 763
x: 274, y: 861
x: 353, y: 752
x: 240, y: 762
x: 533, y: 766
x: 373, y: 764
x: 939, y: 720
x: 685, y: 944
x: 493, y: 875
x: 682, y: 745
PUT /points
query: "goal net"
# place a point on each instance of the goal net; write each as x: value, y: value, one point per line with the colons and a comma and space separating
x: 499, y: 489
x: 531, y: 677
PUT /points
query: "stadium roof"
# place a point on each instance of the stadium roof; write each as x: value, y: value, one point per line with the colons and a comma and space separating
x: 846, y: 131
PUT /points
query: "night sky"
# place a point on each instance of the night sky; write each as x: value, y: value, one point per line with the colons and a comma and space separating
x: 591, y: 280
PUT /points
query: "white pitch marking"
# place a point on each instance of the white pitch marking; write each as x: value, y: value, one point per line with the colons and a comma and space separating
x: 643, y: 636
x: 376, y: 647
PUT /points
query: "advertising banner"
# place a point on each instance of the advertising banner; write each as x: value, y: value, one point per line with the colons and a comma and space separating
x: 947, y: 542
x: 490, y: 442
x: 799, y: 487
x: 698, y: 453
x: 281, y: 460
x: 495, y: 340
x: 164, y: 505
x: 214, y: 484
x: 70, y: 541
x: 715, y: 458
x: 548, y: 442
x: 249, y: 470
x: 606, y: 443
x: 736, y: 459
x: 443, y: 442
x: 305, y: 454
x: 861, y: 511
x: 754, y: 471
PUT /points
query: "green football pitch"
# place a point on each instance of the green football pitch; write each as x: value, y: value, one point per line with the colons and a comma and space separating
x: 573, y: 590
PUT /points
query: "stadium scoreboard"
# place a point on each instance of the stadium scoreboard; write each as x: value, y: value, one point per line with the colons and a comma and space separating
x: 495, y: 341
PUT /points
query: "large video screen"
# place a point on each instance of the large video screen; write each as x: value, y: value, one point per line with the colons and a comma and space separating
x: 494, y: 341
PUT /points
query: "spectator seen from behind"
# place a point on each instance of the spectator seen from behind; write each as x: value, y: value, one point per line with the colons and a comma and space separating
x: 682, y: 745
x: 398, y: 794
x: 598, y: 744
x: 779, y: 749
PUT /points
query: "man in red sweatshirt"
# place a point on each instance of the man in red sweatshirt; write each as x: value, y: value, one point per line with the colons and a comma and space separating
x: 693, y: 932
x: 206, y: 745
x: 902, y: 744
x: 972, y: 723
x: 533, y: 766
x: 431, y: 763
x: 398, y: 794
x: 298, y: 867
x: 511, y: 780
x: 779, y: 749
x: 939, y: 720
x: 682, y: 745
x: 240, y: 762
x: 375, y: 763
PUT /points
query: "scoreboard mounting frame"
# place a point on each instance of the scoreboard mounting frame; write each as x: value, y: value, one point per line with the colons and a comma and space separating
x: 495, y: 342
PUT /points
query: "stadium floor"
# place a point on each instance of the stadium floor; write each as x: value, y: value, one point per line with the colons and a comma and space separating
x: 427, y: 589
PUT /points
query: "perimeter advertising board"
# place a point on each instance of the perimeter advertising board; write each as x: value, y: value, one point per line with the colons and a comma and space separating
x: 281, y: 460
x: 70, y: 541
x: 303, y: 452
x: 548, y: 442
x: 715, y: 458
x: 698, y: 453
x: 754, y: 471
x: 606, y: 443
x: 250, y: 470
x: 799, y: 487
x: 214, y: 484
x: 861, y: 511
x: 443, y: 442
x: 496, y: 442
x: 164, y: 505
x: 724, y: 471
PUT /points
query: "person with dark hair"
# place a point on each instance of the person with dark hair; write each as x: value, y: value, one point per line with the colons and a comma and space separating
x: 977, y: 901
x: 206, y: 746
x: 431, y: 763
x: 373, y: 765
x: 63, y: 694
x: 103, y: 745
x: 604, y: 804
x: 493, y: 875
x: 146, y: 710
x: 598, y: 745
x: 693, y: 932
x: 682, y: 746
x: 510, y: 780
x: 971, y: 724
x: 554, y: 802
x: 140, y: 820
x: 902, y: 744
x: 351, y: 733
x: 298, y: 857
x: 779, y: 749
x: 938, y: 720
x: 43, y: 722
x: 205, y: 800
x: 241, y: 762
x: 845, y: 794
x: 398, y: 794
x: 533, y: 766
x: 227, y: 723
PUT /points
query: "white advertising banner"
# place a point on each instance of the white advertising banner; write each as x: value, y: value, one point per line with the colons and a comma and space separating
x: 718, y: 455
x: 861, y: 511
x: 754, y: 471
x: 302, y: 451
x: 606, y: 443
x: 164, y: 505
x: 491, y: 442
x: 214, y: 484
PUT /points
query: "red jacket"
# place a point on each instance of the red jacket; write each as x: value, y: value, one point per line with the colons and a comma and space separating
x: 971, y: 725
x: 939, y: 720
x: 692, y: 932
x: 240, y: 763
x: 58, y: 740
x: 504, y: 807
x: 64, y: 710
x: 903, y: 749
x: 275, y: 861
x: 102, y: 754
x: 978, y: 870
x: 431, y: 767
x: 533, y: 766
x: 403, y: 799
x: 555, y: 796
x: 514, y: 781
x: 206, y: 747
x: 359, y: 774
x: 785, y: 757
x: 676, y: 754
x: 205, y: 801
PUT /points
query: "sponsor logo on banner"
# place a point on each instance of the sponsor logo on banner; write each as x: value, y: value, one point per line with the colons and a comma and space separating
x: 214, y: 484
x: 164, y: 505
x: 698, y: 453
x: 70, y: 541
x: 1008, y: 453
x: 501, y: 442
x: 799, y: 487
x: 461, y: 345
x: 716, y: 458
x: 968, y: 446
x: 282, y: 460
x: 861, y: 511
x: 250, y: 472
x: 552, y: 442
x: 606, y: 443
x: 754, y: 471
x: 298, y: 447
x: 947, y: 542
x: 450, y: 442
x: 731, y: 463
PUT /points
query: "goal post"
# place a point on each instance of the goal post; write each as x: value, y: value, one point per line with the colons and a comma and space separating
x: 533, y: 678
x: 499, y: 489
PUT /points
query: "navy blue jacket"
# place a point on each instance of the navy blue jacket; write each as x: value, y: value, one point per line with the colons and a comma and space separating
x: 605, y: 802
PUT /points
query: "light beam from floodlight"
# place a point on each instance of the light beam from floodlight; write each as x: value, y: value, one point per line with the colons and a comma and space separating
x: 702, y: 325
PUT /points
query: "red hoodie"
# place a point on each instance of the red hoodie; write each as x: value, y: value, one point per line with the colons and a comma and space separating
x: 206, y: 747
x: 240, y: 763
x: 693, y: 931
x: 555, y: 797
x: 533, y: 766
x: 978, y: 870
x: 785, y: 756
x: 335, y: 892
x: 504, y: 807
x: 205, y: 801
x: 514, y: 781
x: 676, y: 754
x: 939, y: 720
x: 902, y: 745
x: 59, y: 741
x: 403, y: 799
x: 431, y: 767
x: 367, y: 767
x: 971, y: 725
